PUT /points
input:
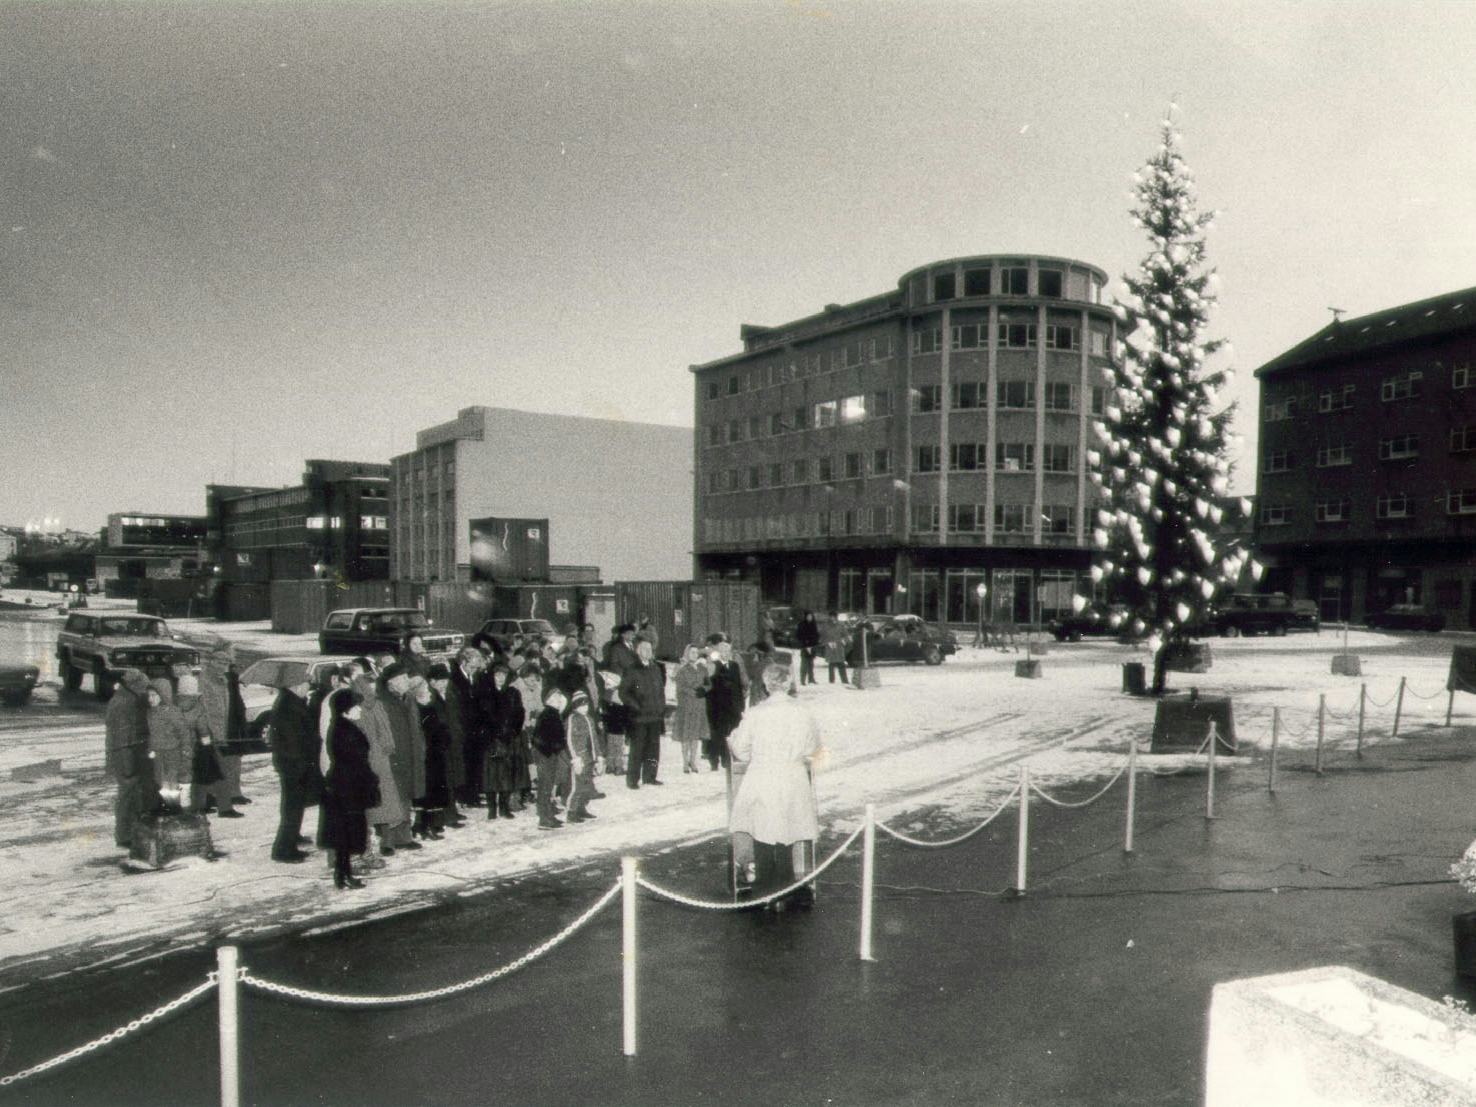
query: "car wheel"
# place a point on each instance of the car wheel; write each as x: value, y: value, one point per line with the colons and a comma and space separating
x: 102, y: 684
x: 1279, y: 630
x: 71, y: 676
x: 17, y: 699
x: 1231, y: 631
x: 1075, y: 636
x: 932, y: 655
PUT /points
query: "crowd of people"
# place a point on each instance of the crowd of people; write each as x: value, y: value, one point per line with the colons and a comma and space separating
x: 397, y: 751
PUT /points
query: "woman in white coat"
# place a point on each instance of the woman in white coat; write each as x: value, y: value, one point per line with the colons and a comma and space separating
x: 776, y: 801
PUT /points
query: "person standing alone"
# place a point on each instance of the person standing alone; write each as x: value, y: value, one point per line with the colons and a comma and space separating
x: 643, y: 690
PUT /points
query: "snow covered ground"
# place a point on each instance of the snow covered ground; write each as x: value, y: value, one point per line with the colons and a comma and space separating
x: 933, y: 748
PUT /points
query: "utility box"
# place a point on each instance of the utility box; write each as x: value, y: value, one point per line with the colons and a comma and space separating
x: 1182, y: 723
x: 505, y: 550
x: 687, y: 611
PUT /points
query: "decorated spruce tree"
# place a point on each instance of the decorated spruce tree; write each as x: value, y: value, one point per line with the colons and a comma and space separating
x: 1161, y: 463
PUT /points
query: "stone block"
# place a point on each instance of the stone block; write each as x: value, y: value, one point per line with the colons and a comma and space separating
x: 1028, y: 668
x: 1347, y: 664
x: 1182, y: 721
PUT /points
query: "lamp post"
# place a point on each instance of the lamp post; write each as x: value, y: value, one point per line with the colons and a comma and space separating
x: 981, y: 590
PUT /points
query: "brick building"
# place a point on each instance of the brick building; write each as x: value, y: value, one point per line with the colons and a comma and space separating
x: 1367, y: 462
x: 898, y: 452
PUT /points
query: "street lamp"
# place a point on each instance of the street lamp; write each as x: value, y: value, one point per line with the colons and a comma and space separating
x: 981, y: 590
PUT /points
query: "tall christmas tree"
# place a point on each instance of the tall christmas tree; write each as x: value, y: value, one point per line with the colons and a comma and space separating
x: 1161, y: 465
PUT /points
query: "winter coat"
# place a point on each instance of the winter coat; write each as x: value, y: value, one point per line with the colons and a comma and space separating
x: 220, y: 692
x: 436, y: 726
x: 465, y: 720
x: 548, y: 732
x: 643, y: 691
x: 171, y: 740
x: 807, y: 634
x: 126, y: 732
x: 350, y: 789
x: 754, y: 665
x: 776, y: 801
x: 689, y: 724
x: 375, y: 724
x: 504, y: 707
x: 408, y: 758
x: 532, y: 696
x: 295, y: 747
x: 727, y: 694
x: 579, y: 727
x: 837, y: 641
x: 619, y: 657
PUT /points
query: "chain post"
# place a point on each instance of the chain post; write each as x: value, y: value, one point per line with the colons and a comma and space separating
x: 868, y: 877
x: 1127, y: 840
x: 1321, y: 714
x: 1209, y: 786
x: 628, y: 955
x: 1275, y: 737
x: 1449, y: 707
x: 228, y: 981
x: 1398, y: 709
x: 1362, y: 695
x: 1022, y: 845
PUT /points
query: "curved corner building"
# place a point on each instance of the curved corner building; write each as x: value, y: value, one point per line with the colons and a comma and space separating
x: 899, y: 452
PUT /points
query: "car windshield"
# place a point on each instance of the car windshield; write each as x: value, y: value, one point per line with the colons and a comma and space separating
x: 132, y: 628
x: 538, y: 626
x: 400, y: 620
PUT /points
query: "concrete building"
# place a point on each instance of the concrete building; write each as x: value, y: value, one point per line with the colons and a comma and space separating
x: 1366, y: 466
x: 335, y: 524
x: 138, y: 545
x: 616, y: 494
x: 900, y: 452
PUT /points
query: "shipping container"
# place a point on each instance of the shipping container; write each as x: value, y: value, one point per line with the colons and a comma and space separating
x: 509, y: 550
x: 242, y: 602
x: 300, y: 606
x: 686, y: 611
x: 173, y: 599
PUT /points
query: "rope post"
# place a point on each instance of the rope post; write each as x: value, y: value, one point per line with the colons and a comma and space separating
x: 628, y: 953
x: 868, y: 876
x: 226, y: 980
x: 1398, y: 709
x: 1358, y: 748
x: 1127, y: 840
x: 1449, y: 706
x: 1022, y: 843
x: 1275, y: 737
x: 1321, y: 713
x: 1209, y: 787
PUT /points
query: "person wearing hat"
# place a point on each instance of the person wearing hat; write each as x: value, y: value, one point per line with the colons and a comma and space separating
x: 551, y: 748
x: 583, y: 753
x: 351, y: 787
x: 126, y: 734
x: 644, y: 691
x: 435, y: 721
x: 295, y: 748
x: 502, y: 706
x: 171, y: 746
x: 220, y: 692
x: 389, y: 816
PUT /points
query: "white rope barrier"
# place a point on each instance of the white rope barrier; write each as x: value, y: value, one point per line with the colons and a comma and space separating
x: 744, y: 905
x: 112, y: 1036
x: 334, y: 999
x: 1184, y: 767
x: 920, y: 844
x: 1039, y: 791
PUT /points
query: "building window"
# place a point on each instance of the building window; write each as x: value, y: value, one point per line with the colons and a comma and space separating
x: 1401, y: 388
x: 881, y: 462
x: 1049, y: 281
x: 881, y: 404
x: 799, y: 470
x: 854, y: 353
x: 1058, y: 519
x: 925, y: 518
x: 969, y: 395
x: 1014, y: 280
x: 927, y: 398
x: 852, y: 463
x: 801, y: 418
x: 1279, y: 411
x: 853, y: 409
x: 735, y: 431
x: 825, y: 413
x: 977, y: 282
x: 1017, y: 395
x: 927, y: 342
x: 755, y: 426
x: 945, y: 286
x: 1460, y: 376
x: 1336, y: 399
x: 1399, y: 448
x: 730, y: 480
x: 825, y: 469
x: 1060, y: 396
x: 967, y: 457
x: 1017, y: 336
x: 1060, y: 336
x: 965, y: 518
x: 1462, y: 439
x: 733, y: 385
x: 1395, y: 506
x: 714, y: 434
x: 776, y: 423
x: 1011, y: 518
x: 1057, y: 457
x: 1279, y: 461
x: 971, y: 336
x: 1015, y: 457
x: 1098, y: 341
x: 1099, y: 400
x: 315, y: 522
x: 712, y: 390
x: 1275, y: 515
x: 776, y: 474
x: 1329, y: 457
x: 1333, y: 511
x: 1462, y: 502
x: 929, y: 459
x: 881, y: 347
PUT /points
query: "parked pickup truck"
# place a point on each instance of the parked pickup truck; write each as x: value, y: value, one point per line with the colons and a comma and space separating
x: 105, y: 645
x: 375, y: 630
x: 1256, y: 613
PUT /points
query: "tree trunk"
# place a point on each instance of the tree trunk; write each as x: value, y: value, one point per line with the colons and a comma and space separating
x: 1160, y: 669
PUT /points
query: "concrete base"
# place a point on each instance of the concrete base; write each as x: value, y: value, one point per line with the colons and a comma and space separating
x: 866, y: 678
x: 1029, y: 669
x: 1347, y: 664
x: 1181, y: 723
x: 1335, y: 1036
x: 1188, y: 657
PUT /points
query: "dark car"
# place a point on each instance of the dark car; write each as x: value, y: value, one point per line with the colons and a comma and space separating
x: 1406, y: 616
x: 16, y: 683
x: 1306, y: 616
x: 785, y: 620
x: 375, y: 630
x: 1093, y: 621
x: 1254, y: 613
x: 902, y: 638
x: 504, y: 629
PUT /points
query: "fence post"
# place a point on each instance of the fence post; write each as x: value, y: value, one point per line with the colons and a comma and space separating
x: 1321, y: 712
x: 1022, y: 843
x: 1449, y: 706
x: 1209, y: 788
x: 868, y: 876
x: 628, y: 953
x: 1127, y: 842
x: 1362, y: 692
x: 1275, y: 737
x: 1398, y: 709
x: 227, y: 985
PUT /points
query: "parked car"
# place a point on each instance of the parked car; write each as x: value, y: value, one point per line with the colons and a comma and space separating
x: 1306, y: 616
x: 1406, y: 616
x: 16, y: 683
x: 504, y: 629
x: 901, y: 638
x: 260, y: 681
x: 374, y: 630
x: 105, y: 645
x: 785, y: 619
x: 1253, y: 613
x: 1095, y: 620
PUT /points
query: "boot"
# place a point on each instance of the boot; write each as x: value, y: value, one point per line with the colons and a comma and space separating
x: 491, y: 805
x: 504, y: 804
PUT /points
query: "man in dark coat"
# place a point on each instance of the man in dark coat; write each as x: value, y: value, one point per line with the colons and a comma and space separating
x: 468, y: 729
x: 643, y: 690
x: 727, y: 696
x: 408, y: 756
x: 295, y: 748
x: 127, y: 750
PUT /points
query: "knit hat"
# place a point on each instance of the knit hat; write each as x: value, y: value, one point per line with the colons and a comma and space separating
x: 392, y: 670
x: 135, y: 681
x: 438, y: 671
x: 578, y: 700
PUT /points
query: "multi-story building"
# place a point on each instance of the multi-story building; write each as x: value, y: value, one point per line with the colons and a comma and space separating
x: 334, y: 524
x: 914, y: 450
x: 1367, y: 462
x: 138, y: 545
x: 616, y: 494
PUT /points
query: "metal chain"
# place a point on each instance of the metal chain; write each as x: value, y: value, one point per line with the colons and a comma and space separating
x: 710, y: 905
x: 1408, y: 688
x: 920, y: 844
x: 1383, y: 703
x: 1084, y: 803
x: 108, y: 1039
x: 338, y: 1000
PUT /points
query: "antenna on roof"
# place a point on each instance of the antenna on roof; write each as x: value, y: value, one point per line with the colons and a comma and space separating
x: 1338, y: 314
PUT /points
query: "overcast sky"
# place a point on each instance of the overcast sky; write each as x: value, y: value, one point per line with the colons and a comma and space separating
x: 237, y: 236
